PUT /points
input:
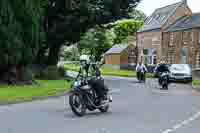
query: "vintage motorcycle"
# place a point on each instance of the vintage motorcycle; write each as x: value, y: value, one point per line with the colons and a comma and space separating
x: 84, y: 97
x: 164, y: 80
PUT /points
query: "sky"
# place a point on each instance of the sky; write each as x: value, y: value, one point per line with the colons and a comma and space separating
x: 148, y: 6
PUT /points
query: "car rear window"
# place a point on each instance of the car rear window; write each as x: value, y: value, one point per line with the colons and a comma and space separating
x: 179, y: 67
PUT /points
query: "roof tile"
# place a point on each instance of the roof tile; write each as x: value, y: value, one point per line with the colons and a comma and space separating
x: 159, y: 17
x: 187, y: 22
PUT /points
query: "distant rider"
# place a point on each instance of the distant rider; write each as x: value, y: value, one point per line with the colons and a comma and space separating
x: 141, y: 68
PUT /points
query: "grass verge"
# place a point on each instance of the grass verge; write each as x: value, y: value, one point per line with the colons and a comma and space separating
x: 196, y: 82
x: 43, y: 88
x: 108, y: 71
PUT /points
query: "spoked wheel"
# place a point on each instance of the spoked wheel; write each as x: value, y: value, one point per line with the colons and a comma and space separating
x: 77, y: 105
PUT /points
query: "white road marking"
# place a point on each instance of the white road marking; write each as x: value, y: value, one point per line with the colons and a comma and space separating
x: 184, y: 123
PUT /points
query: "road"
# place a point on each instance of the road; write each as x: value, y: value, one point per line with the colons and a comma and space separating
x: 137, y: 108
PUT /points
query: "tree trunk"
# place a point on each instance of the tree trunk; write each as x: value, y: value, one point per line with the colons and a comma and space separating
x: 40, y: 59
x: 53, y: 55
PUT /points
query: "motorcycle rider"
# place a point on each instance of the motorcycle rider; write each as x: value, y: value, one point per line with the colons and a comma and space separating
x: 141, y: 68
x: 92, y: 76
x: 162, y: 68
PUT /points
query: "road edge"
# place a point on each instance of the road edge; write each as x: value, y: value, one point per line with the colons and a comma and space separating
x: 36, y: 98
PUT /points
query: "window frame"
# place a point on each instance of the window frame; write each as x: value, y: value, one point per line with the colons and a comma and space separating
x: 171, y: 40
x: 199, y: 37
x: 197, y: 61
x: 171, y: 57
x: 187, y: 36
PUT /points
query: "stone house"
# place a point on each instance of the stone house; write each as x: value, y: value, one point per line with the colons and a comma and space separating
x: 153, y: 37
x: 182, y: 41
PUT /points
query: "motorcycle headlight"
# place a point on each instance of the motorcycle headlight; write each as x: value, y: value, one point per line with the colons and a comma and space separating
x: 77, y: 83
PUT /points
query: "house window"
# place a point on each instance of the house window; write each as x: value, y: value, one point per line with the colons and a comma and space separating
x: 154, y: 59
x: 199, y: 37
x: 145, y: 51
x: 198, y: 60
x: 147, y: 59
x: 184, y: 55
x: 171, y: 57
x: 141, y: 43
x: 149, y: 56
x: 187, y: 37
x: 171, y: 43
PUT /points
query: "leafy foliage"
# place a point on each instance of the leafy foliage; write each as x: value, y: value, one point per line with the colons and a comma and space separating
x: 19, y: 29
x: 137, y: 14
x: 20, y: 37
x: 96, y: 42
x: 71, y: 54
x: 30, y: 27
x: 125, y: 28
x: 79, y: 15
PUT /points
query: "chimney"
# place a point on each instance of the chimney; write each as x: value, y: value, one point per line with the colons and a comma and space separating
x: 185, y: 2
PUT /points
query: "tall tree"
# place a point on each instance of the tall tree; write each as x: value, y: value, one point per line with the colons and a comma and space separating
x: 66, y: 20
x: 19, y: 40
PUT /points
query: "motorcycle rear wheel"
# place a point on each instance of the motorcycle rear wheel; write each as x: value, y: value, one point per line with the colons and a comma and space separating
x: 104, y: 109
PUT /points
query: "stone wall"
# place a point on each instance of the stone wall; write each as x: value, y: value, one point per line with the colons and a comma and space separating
x: 196, y: 74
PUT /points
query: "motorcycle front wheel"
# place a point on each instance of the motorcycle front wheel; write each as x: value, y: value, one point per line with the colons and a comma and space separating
x: 77, y: 105
x: 164, y: 86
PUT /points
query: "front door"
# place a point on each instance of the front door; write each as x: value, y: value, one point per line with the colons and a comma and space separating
x: 184, y: 56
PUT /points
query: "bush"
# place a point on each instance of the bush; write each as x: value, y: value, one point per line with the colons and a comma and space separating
x: 38, y: 71
x: 27, y: 73
x: 50, y: 73
x: 61, y: 71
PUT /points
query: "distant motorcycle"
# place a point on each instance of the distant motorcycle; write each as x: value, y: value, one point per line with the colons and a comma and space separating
x: 163, y: 80
x: 83, y: 97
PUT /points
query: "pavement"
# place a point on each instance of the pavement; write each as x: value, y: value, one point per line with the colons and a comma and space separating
x: 137, y: 108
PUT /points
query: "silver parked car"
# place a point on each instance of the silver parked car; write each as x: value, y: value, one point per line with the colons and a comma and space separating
x: 180, y: 72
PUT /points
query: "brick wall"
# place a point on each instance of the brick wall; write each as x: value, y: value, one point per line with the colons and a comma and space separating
x: 182, y: 39
x: 151, y: 40
x: 124, y: 57
x: 112, y: 59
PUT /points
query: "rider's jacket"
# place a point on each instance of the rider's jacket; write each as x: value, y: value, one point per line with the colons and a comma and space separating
x: 141, y: 68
